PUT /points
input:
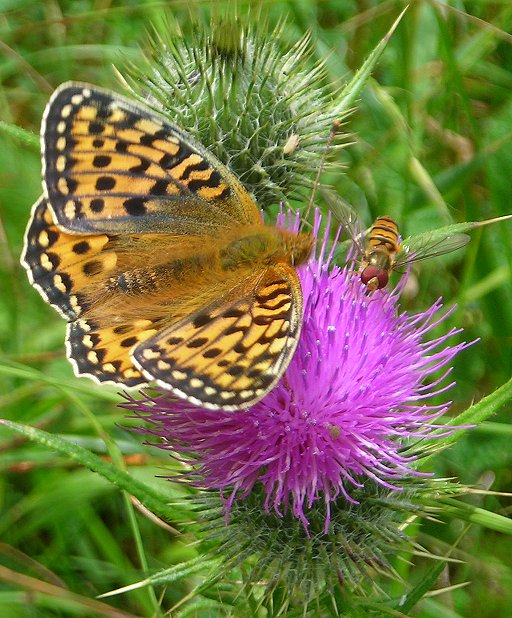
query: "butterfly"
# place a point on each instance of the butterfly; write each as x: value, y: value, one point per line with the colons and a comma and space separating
x: 157, y: 256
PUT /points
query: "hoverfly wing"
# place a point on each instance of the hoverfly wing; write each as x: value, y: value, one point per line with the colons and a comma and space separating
x: 428, y: 245
x: 346, y: 215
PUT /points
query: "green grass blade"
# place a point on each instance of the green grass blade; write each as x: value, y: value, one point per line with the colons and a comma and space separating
x: 153, y: 500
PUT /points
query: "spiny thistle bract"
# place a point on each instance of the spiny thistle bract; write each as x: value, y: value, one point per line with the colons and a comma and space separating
x: 277, y: 554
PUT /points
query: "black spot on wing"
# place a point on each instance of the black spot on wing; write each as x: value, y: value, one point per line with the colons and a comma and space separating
x: 135, y: 206
x: 101, y: 161
x: 105, y: 183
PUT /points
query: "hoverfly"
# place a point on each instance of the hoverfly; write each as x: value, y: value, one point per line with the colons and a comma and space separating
x: 381, y: 246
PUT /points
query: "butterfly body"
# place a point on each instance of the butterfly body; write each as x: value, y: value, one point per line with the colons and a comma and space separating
x: 179, y: 276
x: 157, y: 256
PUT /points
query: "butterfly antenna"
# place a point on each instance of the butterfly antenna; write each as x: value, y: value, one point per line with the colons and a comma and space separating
x: 334, y: 130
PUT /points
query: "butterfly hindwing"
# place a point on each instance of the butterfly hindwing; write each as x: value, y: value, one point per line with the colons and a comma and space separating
x: 231, y: 353
x: 112, y: 165
x: 102, y: 352
x: 59, y: 264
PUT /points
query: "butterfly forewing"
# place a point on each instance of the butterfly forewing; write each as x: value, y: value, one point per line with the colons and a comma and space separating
x: 231, y: 353
x: 111, y: 165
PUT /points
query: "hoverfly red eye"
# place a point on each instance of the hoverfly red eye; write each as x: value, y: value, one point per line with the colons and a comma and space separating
x: 375, y: 278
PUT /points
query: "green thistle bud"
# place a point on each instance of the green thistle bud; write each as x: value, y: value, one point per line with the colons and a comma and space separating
x: 263, y: 112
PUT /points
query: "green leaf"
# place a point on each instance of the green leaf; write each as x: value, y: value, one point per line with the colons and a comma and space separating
x: 170, y: 575
x: 472, y: 514
x: 21, y: 135
x: 412, y: 598
x: 474, y: 415
x: 351, y: 91
x: 451, y: 230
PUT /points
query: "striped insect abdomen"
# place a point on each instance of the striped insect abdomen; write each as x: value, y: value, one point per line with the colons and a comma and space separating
x: 384, y: 233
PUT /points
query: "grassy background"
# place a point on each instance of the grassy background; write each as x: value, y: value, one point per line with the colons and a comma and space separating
x: 432, y: 144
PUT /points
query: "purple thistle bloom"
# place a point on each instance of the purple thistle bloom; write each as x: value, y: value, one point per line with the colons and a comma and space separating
x: 352, y: 396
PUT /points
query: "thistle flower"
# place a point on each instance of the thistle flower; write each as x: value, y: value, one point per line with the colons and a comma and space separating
x: 353, y: 396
